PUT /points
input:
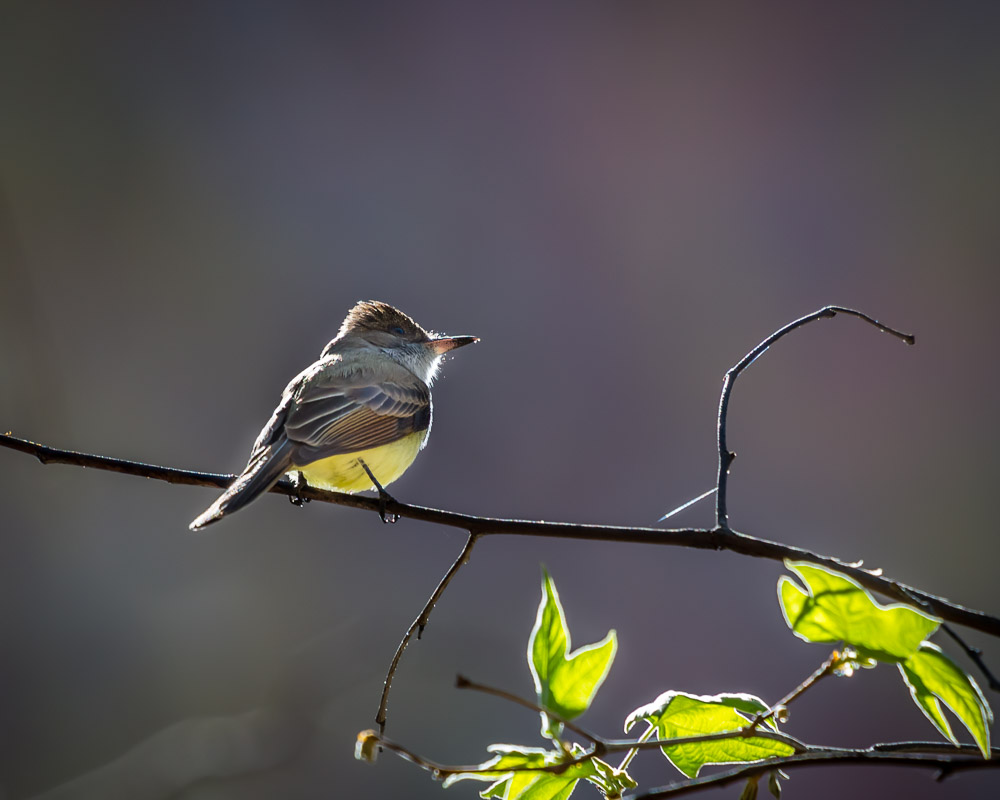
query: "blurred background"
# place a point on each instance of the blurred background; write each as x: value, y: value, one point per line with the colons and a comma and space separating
x: 621, y: 200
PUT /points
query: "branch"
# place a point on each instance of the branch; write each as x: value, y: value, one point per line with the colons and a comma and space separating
x: 879, y: 755
x: 699, y: 538
x: 824, y: 669
x: 945, y: 758
x: 725, y: 456
x: 461, y: 682
x: 370, y: 738
x: 418, y: 626
x: 602, y: 746
x: 369, y: 742
x: 974, y: 653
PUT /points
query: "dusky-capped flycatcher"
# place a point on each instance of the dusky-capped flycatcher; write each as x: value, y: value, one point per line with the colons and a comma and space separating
x: 353, y: 420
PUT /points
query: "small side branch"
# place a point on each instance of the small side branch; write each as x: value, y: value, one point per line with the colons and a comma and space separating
x: 962, y: 759
x: 602, y: 746
x: 725, y: 455
x: 824, y: 669
x: 439, y: 770
x: 944, y: 758
x: 974, y: 653
x: 417, y: 627
x: 461, y: 682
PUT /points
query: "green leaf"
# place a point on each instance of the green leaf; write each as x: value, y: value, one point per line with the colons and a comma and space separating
x: 750, y: 789
x: 564, y: 684
x: 933, y: 678
x: 518, y: 772
x: 834, y: 608
x: 497, y: 790
x: 610, y: 780
x: 773, y: 785
x: 512, y: 785
x: 508, y: 757
x: 678, y: 714
x: 547, y: 786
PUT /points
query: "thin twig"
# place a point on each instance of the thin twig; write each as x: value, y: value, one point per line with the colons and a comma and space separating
x: 974, y: 653
x: 632, y: 751
x: 824, y: 669
x: 725, y: 455
x: 418, y: 625
x: 611, y: 746
x: 944, y: 748
x: 461, y: 682
x: 699, y: 538
x: 437, y: 770
x: 944, y: 765
x: 944, y: 758
x: 602, y: 746
x: 624, y: 745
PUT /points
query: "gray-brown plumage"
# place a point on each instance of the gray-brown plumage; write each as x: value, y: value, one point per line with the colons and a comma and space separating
x: 368, y: 396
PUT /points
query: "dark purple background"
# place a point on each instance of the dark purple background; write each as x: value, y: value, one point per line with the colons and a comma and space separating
x: 621, y: 200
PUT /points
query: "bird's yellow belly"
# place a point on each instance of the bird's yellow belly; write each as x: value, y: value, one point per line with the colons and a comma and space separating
x: 343, y: 473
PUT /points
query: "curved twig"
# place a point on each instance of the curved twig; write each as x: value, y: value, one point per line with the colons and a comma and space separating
x: 604, y: 746
x: 725, y: 455
x: 461, y: 682
x: 417, y: 626
x: 822, y: 671
x: 974, y: 653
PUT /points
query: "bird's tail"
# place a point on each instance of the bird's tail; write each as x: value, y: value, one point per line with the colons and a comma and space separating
x: 259, y: 476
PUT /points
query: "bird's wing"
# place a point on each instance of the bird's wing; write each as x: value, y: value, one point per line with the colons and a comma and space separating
x: 326, y: 411
x: 333, y: 414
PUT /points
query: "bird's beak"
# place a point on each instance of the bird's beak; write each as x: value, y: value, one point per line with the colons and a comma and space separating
x: 443, y: 344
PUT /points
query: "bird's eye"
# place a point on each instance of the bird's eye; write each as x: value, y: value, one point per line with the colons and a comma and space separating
x: 397, y: 330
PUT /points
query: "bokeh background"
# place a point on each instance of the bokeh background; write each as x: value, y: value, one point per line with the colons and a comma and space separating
x: 620, y: 199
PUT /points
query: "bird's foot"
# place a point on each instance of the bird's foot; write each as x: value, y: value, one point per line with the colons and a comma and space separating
x: 384, y: 498
x: 298, y: 483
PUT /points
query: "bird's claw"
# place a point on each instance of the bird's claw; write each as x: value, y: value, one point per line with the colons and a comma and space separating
x: 384, y: 498
x: 298, y: 483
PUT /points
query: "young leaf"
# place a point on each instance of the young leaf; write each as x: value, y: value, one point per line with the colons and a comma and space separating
x: 773, y: 785
x: 833, y: 608
x: 610, y: 780
x: 933, y: 678
x: 677, y: 714
x: 531, y: 786
x: 547, y: 786
x: 508, y: 757
x: 519, y: 772
x: 565, y: 684
x: 750, y: 789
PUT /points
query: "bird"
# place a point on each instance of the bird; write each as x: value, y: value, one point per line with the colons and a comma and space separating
x: 353, y: 420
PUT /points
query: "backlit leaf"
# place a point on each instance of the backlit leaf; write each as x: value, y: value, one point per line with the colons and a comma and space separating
x: 677, y: 714
x: 933, y: 679
x: 833, y: 608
